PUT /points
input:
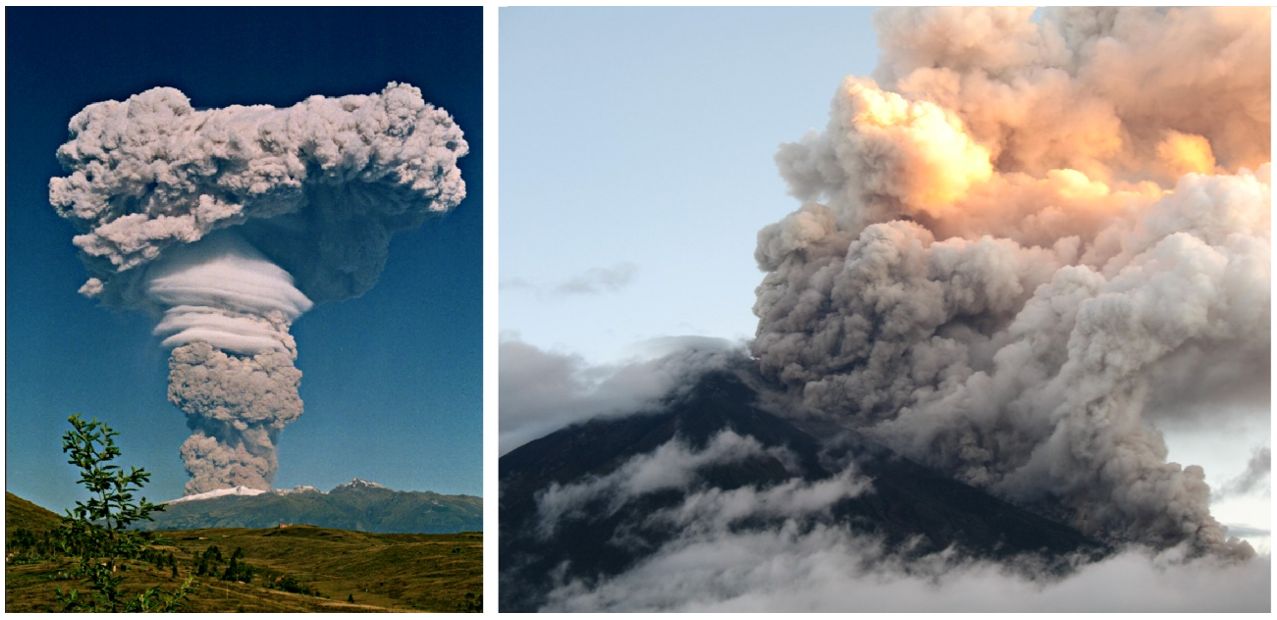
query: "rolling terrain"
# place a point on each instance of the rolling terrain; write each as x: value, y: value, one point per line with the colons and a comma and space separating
x: 327, y: 569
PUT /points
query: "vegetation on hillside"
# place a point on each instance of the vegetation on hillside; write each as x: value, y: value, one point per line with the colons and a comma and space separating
x: 97, y: 531
x: 91, y: 560
x: 344, y: 570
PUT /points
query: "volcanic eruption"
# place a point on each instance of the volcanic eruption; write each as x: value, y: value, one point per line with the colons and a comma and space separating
x: 1027, y: 240
x: 228, y: 224
x: 1030, y: 244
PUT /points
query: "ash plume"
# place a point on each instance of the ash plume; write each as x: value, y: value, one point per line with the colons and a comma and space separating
x: 229, y: 224
x: 1021, y: 238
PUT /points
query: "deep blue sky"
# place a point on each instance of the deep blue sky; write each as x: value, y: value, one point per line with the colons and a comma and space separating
x: 392, y: 381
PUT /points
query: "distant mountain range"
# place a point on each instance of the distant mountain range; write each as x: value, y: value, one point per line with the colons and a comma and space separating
x: 909, y: 503
x: 358, y: 505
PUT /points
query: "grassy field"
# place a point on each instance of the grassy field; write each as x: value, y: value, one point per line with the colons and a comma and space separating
x: 350, y: 571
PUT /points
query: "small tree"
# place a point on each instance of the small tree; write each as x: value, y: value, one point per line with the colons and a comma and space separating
x: 97, y: 530
x: 209, y: 561
x: 237, y: 570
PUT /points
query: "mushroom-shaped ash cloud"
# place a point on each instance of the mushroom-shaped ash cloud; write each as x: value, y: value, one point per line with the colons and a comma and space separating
x: 230, y: 223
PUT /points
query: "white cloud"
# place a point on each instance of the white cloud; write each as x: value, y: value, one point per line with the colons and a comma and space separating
x: 825, y: 568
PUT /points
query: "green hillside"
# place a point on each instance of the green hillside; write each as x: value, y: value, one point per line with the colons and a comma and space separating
x: 21, y: 514
x: 378, y: 572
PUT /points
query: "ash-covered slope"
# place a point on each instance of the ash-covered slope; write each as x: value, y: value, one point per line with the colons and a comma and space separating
x: 606, y: 531
x: 357, y: 505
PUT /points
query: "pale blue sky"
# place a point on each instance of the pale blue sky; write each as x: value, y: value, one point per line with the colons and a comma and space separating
x: 640, y: 142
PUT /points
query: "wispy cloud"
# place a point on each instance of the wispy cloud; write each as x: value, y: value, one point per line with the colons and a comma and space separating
x: 593, y: 281
x: 598, y: 280
x: 515, y: 284
x: 1256, y: 473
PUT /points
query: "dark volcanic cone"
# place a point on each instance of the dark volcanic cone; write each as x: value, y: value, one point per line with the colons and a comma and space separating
x: 909, y: 507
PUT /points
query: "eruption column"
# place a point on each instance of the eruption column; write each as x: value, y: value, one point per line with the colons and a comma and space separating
x: 229, y: 223
x: 1026, y: 243
x: 227, y: 314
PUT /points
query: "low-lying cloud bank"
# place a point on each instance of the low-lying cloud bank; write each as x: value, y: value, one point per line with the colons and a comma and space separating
x: 773, y: 548
x: 826, y: 568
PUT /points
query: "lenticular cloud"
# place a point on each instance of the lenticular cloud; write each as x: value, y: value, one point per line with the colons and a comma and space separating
x: 1025, y: 235
x: 230, y: 223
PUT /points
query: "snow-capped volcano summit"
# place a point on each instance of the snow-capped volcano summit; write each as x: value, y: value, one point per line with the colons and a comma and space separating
x: 359, y: 483
x: 358, y: 505
x: 217, y: 493
x: 301, y: 488
x: 355, y: 483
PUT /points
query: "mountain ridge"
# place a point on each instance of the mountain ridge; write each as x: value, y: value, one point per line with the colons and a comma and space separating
x: 910, y: 506
x: 358, y: 505
x: 355, y: 483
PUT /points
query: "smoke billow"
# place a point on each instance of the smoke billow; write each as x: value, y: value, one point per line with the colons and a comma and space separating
x: 1021, y: 236
x: 230, y: 223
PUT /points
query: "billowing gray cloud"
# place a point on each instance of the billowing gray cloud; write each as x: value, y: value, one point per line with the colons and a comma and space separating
x: 1009, y: 255
x: 230, y: 223
x: 318, y: 187
x: 236, y: 404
